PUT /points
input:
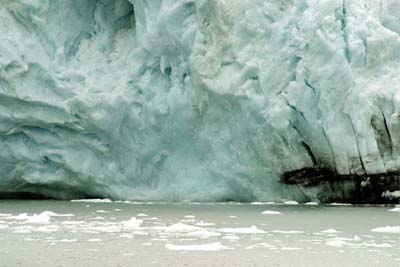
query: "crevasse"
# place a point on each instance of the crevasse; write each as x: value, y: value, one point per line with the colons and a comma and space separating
x: 195, y: 99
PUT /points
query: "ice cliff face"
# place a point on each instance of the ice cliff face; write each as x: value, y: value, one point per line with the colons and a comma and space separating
x: 195, y: 99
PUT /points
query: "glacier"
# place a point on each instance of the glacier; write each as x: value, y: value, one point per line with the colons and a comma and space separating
x: 198, y: 100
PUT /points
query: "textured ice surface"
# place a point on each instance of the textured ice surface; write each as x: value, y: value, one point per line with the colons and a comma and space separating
x: 194, y: 99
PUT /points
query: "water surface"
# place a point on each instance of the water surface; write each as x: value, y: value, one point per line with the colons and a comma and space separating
x: 61, y: 233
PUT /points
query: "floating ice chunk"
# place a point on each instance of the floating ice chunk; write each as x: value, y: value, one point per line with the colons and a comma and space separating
x: 396, y: 209
x: 190, y: 216
x: 355, y: 238
x: 336, y: 243
x: 202, y: 223
x: 181, y: 228
x: 96, y: 200
x: 290, y: 248
x: 22, y: 231
x: 290, y: 232
x: 330, y: 231
x: 203, y: 234
x: 232, y: 238
x: 259, y: 245
x: 132, y: 223
x: 256, y: 203
x: 188, y: 221
x: 291, y: 202
x: 47, y: 229
x: 128, y: 254
x: 102, y: 211
x: 21, y: 216
x: 39, y: 219
x: 68, y: 240
x: 374, y: 245
x: 53, y: 214
x: 340, y: 204
x: 73, y: 222
x: 387, y: 229
x: 203, y: 247
x: 246, y: 230
x: 271, y: 212
x: 111, y: 227
x: 391, y: 195
x: 94, y: 240
x: 311, y: 203
x: 26, y: 229
x: 139, y: 232
x: 141, y: 215
x: 129, y: 236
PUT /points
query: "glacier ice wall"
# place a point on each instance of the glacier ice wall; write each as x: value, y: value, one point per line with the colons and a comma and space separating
x: 195, y: 99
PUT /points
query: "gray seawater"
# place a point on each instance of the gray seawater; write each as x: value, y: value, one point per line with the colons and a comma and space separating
x: 193, y: 234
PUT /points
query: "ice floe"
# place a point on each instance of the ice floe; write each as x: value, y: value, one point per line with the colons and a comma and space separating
x: 198, y: 247
x: 387, y: 229
x: 245, y: 230
x: 271, y: 212
x: 330, y: 231
x: 95, y: 200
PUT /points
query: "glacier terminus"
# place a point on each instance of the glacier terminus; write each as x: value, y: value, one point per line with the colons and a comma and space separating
x: 200, y: 100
